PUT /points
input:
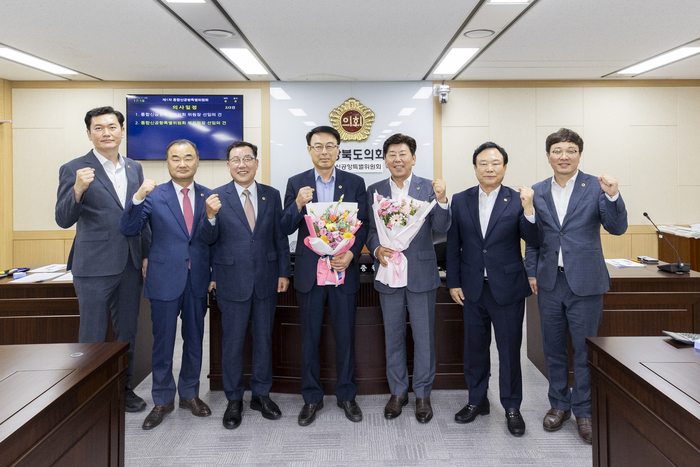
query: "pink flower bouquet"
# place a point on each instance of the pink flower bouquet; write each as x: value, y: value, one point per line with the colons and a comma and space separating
x: 332, y: 228
x: 398, y: 222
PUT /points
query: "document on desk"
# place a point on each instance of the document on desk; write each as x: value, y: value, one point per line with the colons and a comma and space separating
x: 36, y: 277
x: 67, y: 277
x: 624, y: 263
x: 50, y: 268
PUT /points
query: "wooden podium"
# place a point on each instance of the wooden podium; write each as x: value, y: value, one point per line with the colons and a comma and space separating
x: 688, y: 249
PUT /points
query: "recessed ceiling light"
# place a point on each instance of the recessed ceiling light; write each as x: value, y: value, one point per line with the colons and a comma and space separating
x: 661, y: 60
x: 298, y: 112
x: 278, y: 93
x: 387, y: 131
x: 406, y: 112
x: 25, y: 59
x: 424, y: 93
x: 454, y: 60
x: 479, y: 33
x: 395, y: 124
x: 310, y: 123
x: 380, y: 137
x: 245, y: 60
x: 218, y: 33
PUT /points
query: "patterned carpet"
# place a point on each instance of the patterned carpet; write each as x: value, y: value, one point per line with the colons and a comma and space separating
x: 332, y: 440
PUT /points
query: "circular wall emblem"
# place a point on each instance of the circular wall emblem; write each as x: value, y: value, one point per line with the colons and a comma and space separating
x: 352, y: 120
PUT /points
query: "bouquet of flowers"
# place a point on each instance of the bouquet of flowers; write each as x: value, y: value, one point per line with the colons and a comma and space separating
x: 332, y: 228
x: 398, y: 222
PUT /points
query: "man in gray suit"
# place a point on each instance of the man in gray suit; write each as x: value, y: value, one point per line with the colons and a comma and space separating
x: 423, y: 280
x: 568, y: 272
x: 107, y: 266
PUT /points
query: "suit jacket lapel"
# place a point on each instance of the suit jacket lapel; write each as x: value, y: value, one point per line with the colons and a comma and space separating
x: 173, y: 202
x: 582, y: 182
x: 262, y: 203
x: 417, y: 190
x: 547, y: 194
x: 234, y: 201
x: 473, y: 208
x: 132, y: 180
x: 101, y: 176
x: 199, y: 206
x: 340, y: 187
x: 503, y: 200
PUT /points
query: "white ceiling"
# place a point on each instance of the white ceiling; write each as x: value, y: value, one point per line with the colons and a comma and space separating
x: 367, y: 40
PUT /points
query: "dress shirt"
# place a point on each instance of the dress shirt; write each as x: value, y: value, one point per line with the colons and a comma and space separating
x: 324, y: 190
x: 253, y: 189
x: 561, y: 197
x: 116, y: 174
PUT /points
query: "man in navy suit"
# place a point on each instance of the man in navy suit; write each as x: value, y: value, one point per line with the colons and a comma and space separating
x: 422, y: 276
x: 568, y: 272
x: 177, y: 278
x: 325, y: 183
x: 106, y: 265
x: 486, y: 275
x: 251, y: 266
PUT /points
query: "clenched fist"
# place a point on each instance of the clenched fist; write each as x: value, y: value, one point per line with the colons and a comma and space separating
x: 146, y: 187
x: 440, y: 190
x: 526, y: 195
x: 213, y: 206
x: 304, y: 197
x: 83, y: 178
x: 609, y: 184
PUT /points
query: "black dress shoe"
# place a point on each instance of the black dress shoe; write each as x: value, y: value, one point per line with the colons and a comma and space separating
x: 266, y: 406
x: 352, y: 410
x: 156, y: 416
x: 394, y: 406
x: 469, y: 412
x: 516, y: 424
x: 132, y: 402
x: 308, y: 413
x: 424, y: 411
x: 232, y: 416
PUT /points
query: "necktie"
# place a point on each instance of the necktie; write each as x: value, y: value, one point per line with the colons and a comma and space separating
x: 249, y: 211
x: 187, y: 210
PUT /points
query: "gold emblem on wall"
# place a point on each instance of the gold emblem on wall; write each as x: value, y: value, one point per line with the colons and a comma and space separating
x: 352, y: 120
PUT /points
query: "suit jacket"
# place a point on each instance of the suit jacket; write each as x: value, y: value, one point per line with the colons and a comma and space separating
x: 99, y: 248
x: 173, y: 249
x: 422, y: 262
x: 578, y: 237
x: 348, y: 184
x: 469, y: 252
x: 246, y: 260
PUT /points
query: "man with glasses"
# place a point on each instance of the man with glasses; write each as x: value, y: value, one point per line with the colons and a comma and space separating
x: 325, y: 183
x: 251, y: 266
x: 423, y: 280
x: 177, y: 278
x: 568, y: 272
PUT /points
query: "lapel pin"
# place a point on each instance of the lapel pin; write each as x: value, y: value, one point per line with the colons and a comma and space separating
x: 128, y: 166
x: 417, y: 188
x: 583, y: 184
x: 263, y: 198
x: 202, y: 195
x: 505, y: 199
x: 340, y: 186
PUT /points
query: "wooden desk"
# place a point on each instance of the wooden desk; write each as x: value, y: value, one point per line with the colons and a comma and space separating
x: 60, y: 408
x: 688, y: 249
x: 641, y: 302
x: 646, y: 402
x: 370, y: 361
x: 48, y: 313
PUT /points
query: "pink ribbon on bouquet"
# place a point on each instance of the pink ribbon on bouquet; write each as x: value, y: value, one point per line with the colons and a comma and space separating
x: 395, y: 260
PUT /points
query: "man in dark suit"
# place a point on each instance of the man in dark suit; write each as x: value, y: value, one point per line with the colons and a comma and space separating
x: 251, y: 266
x: 568, y: 272
x: 486, y: 275
x: 106, y: 265
x: 325, y: 183
x: 422, y: 277
x: 177, y: 278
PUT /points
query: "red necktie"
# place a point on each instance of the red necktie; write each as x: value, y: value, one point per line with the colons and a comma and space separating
x: 187, y: 210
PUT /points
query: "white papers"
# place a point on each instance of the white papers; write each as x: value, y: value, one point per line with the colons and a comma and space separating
x: 49, y: 268
x: 680, y: 231
x: 624, y: 263
x: 36, y: 277
x: 67, y: 277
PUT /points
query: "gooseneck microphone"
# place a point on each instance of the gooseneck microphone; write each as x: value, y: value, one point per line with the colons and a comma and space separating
x: 678, y: 268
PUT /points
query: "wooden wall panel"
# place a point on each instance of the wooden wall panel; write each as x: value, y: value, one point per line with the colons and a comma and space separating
x: 6, y: 175
x: 42, y: 246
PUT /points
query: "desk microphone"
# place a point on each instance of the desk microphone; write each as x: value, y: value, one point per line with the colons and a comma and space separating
x: 678, y: 268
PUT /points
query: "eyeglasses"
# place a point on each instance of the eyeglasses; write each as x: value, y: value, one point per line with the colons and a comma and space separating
x: 246, y: 160
x: 319, y: 147
x: 569, y: 152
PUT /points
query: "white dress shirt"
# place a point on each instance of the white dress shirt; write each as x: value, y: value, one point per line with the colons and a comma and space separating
x: 116, y: 174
